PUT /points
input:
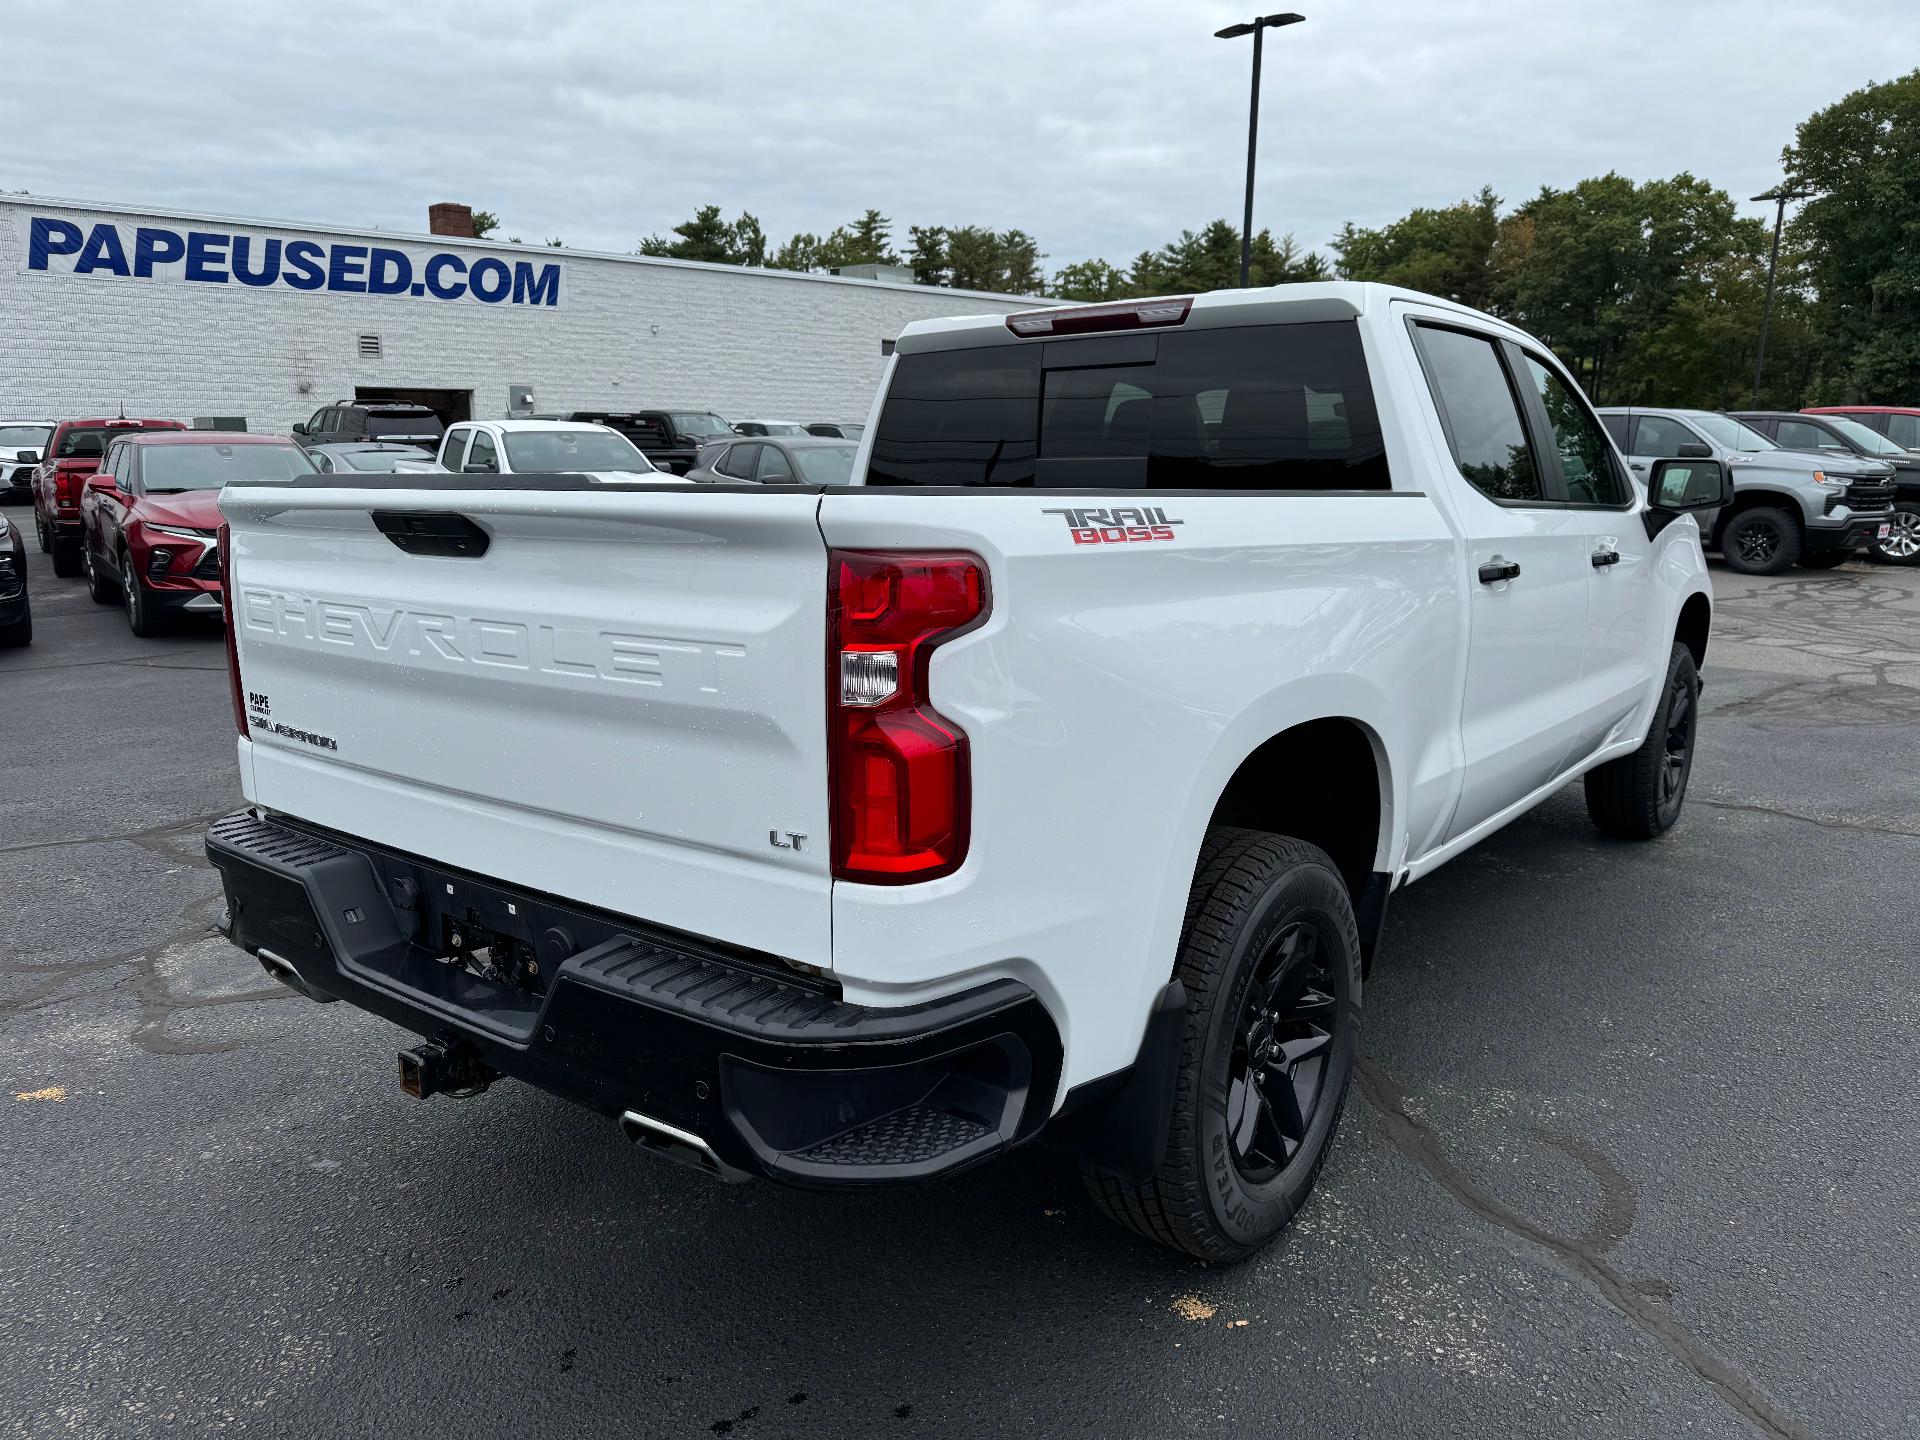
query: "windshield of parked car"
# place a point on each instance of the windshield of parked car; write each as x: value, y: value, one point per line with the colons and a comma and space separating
x: 549, y: 451
x: 91, y: 440
x: 378, y: 461
x: 168, y: 469
x: 1871, y: 441
x: 23, y: 437
x: 825, y: 464
x: 1729, y: 432
x: 701, y: 425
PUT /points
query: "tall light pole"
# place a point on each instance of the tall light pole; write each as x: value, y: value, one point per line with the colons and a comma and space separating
x: 1780, y: 195
x: 1234, y: 32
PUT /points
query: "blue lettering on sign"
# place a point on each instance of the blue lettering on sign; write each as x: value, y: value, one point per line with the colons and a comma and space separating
x: 213, y: 257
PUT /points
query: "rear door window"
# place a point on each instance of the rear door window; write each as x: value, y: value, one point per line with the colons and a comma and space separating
x: 1617, y: 429
x: 1661, y: 438
x: 1266, y: 407
x: 1481, y: 413
x: 454, y: 456
x: 738, y: 462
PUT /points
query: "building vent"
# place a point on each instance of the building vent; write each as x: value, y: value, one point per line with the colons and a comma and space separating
x: 369, y: 347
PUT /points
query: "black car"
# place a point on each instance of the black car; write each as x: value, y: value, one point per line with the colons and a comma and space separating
x: 16, y: 612
x: 837, y: 429
x: 350, y: 422
x: 1844, y: 435
x: 671, y: 439
x: 777, y: 460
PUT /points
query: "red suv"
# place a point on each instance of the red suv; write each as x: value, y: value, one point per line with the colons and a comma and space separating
x: 72, y: 454
x: 150, y: 521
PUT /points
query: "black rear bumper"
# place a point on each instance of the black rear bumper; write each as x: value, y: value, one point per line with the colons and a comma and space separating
x: 695, y: 1048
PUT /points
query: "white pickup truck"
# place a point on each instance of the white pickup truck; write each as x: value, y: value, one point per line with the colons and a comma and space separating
x: 1055, y: 779
x: 536, y: 447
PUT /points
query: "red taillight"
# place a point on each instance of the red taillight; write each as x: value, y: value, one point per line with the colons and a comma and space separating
x: 233, y: 640
x: 900, y: 790
x: 1161, y: 311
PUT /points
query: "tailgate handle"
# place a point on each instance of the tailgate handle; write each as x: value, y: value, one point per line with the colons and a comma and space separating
x: 432, y: 533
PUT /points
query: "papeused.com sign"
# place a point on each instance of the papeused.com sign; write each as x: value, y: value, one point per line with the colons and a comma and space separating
x: 243, y: 261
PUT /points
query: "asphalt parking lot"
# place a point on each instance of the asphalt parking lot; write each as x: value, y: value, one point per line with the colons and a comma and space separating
x: 1634, y: 1151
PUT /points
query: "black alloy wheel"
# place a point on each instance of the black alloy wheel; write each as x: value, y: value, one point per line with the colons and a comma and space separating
x: 1283, y: 1041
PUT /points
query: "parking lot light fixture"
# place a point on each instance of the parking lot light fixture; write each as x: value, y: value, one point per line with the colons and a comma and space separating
x: 1253, y: 27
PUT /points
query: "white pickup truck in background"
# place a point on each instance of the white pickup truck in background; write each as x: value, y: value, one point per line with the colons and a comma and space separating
x: 536, y: 447
x: 1055, y: 779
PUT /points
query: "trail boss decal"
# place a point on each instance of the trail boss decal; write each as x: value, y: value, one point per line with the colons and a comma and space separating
x: 1124, y: 525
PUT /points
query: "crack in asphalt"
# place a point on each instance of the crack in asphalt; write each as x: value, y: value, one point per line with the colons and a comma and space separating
x: 1581, y: 1258
x: 151, y: 832
x: 1863, y: 826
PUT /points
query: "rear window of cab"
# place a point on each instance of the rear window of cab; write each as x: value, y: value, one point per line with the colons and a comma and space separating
x: 1259, y: 407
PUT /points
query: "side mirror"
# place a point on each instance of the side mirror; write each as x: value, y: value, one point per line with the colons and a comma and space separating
x: 478, y: 469
x: 1694, y: 450
x: 27, y: 457
x: 300, y: 427
x: 1676, y: 486
x: 102, y: 483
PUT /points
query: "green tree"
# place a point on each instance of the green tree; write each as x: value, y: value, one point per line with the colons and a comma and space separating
x: 1861, y: 235
x: 1447, y: 251
x: 870, y: 239
x: 1089, y: 280
x: 485, y: 222
x: 928, y: 257
x: 1020, y: 259
x: 708, y: 237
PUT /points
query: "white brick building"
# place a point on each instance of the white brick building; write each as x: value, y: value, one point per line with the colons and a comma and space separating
x: 180, y: 315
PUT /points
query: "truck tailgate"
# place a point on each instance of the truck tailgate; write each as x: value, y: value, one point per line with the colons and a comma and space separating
x: 621, y: 702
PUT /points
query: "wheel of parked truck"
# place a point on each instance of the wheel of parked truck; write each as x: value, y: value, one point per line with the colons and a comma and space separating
x: 1270, y: 959
x: 1826, y: 560
x: 40, y: 534
x: 1639, y: 796
x: 101, y: 587
x: 1902, y: 545
x: 142, y: 618
x: 1760, y: 541
x: 66, y: 557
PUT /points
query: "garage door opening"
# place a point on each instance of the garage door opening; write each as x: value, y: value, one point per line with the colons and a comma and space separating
x: 452, y: 406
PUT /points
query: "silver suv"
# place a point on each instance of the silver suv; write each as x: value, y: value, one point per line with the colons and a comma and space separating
x: 1789, y: 506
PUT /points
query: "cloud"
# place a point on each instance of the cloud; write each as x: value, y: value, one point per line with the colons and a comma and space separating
x: 1102, y: 129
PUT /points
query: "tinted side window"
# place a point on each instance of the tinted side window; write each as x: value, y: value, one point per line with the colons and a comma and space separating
x: 1662, y: 438
x: 483, y: 451
x: 1586, y: 460
x: 773, y: 467
x: 319, y: 420
x: 1483, y: 414
x: 1802, y: 435
x: 454, y: 456
x: 738, y: 462
x: 1617, y: 428
x: 1903, y: 430
x: 1265, y: 407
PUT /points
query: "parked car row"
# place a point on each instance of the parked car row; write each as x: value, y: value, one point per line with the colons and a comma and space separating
x: 1806, y: 490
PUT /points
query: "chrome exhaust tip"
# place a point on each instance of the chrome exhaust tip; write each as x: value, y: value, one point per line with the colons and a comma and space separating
x: 281, y: 969
x: 681, y: 1146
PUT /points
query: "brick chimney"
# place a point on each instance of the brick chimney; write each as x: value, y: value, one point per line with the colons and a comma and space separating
x: 450, y: 218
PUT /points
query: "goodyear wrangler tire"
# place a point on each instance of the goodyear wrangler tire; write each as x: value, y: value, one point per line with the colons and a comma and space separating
x: 1640, y: 795
x: 1270, y: 958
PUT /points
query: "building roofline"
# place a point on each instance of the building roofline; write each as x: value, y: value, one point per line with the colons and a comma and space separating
x: 360, y: 232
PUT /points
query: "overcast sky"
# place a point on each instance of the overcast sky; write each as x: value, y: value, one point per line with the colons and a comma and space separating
x: 1102, y: 129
